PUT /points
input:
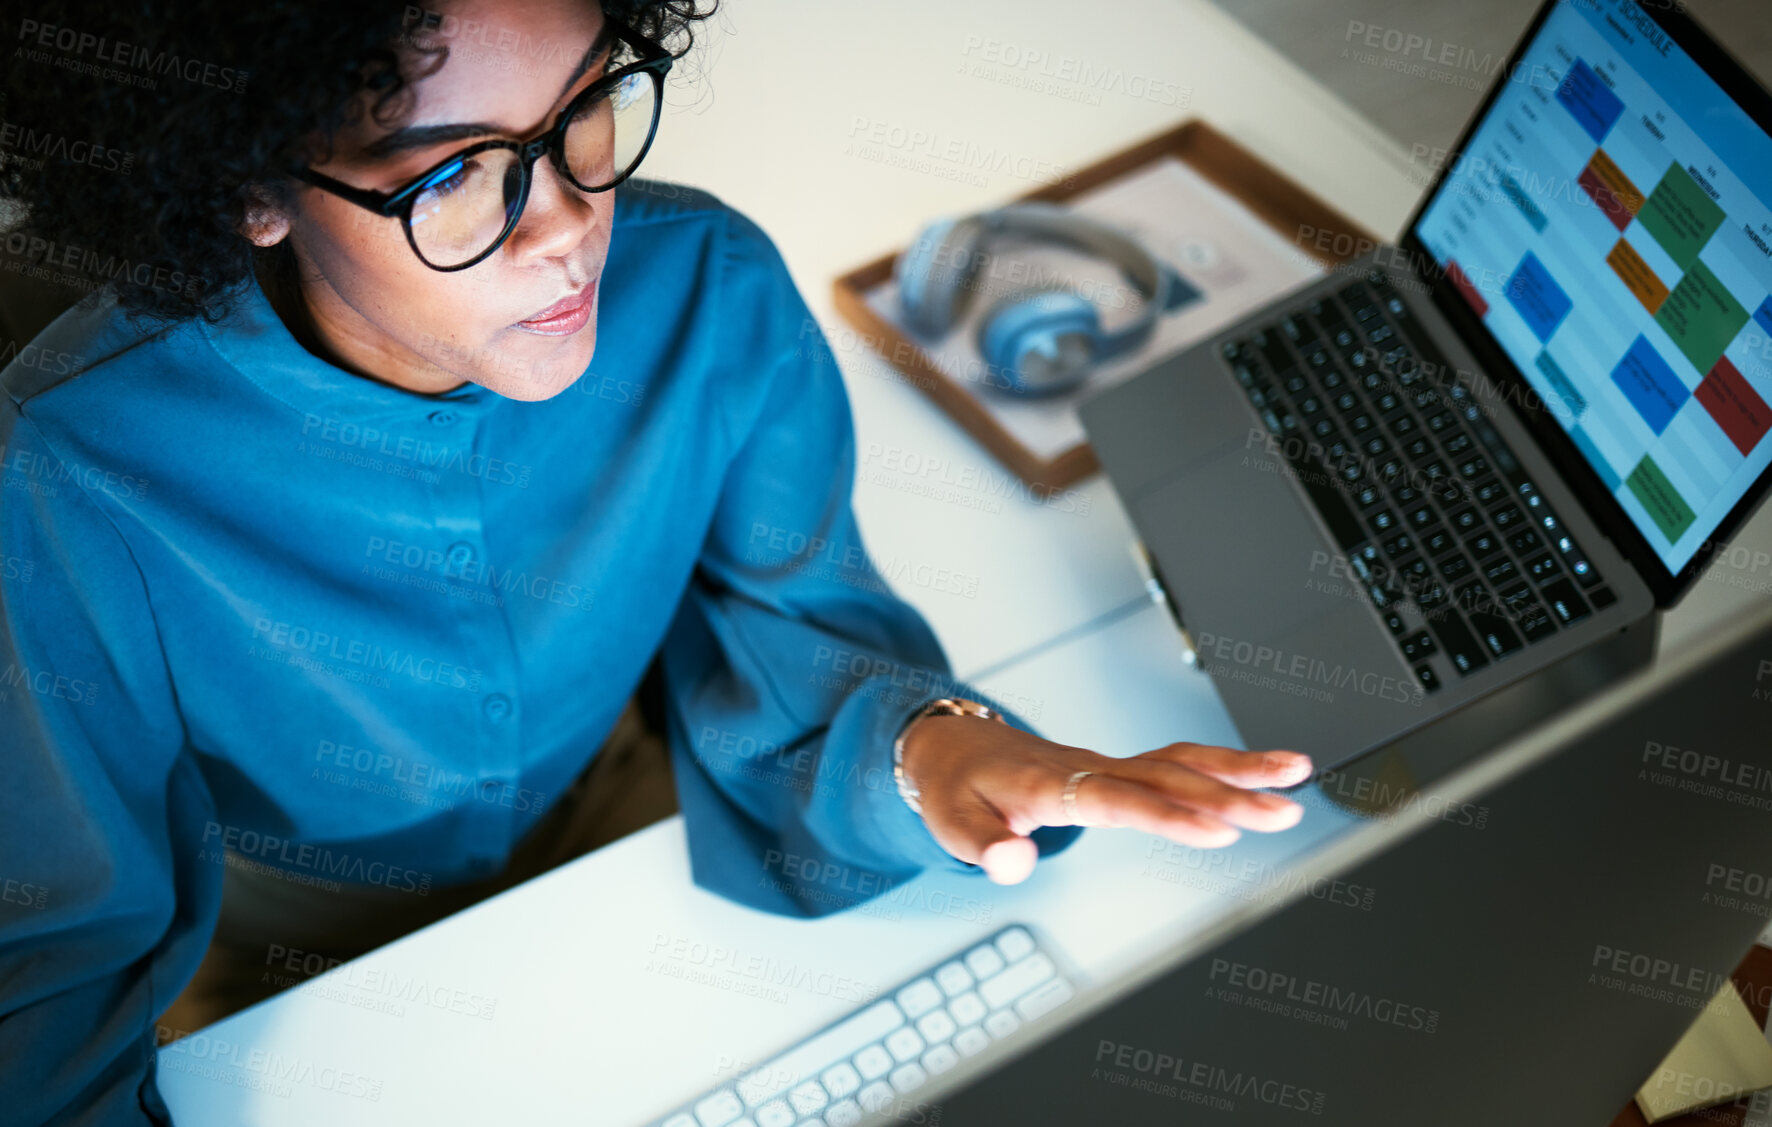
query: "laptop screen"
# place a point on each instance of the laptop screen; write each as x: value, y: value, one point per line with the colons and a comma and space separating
x: 1610, y: 222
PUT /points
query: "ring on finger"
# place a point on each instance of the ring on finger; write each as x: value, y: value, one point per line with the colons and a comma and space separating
x: 1068, y: 799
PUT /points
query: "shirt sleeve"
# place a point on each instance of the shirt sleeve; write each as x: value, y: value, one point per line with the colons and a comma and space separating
x: 791, y: 665
x: 105, y: 908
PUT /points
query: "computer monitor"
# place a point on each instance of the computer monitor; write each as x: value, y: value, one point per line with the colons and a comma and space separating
x: 1543, y: 924
x: 1607, y: 222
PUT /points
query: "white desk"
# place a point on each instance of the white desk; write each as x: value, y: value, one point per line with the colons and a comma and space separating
x: 614, y: 983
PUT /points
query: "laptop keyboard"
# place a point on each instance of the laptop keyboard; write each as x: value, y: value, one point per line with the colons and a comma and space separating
x: 1449, y: 539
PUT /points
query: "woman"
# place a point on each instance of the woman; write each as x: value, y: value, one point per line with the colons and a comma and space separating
x: 338, y: 570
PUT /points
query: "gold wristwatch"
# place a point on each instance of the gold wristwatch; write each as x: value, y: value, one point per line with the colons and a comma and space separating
x: 947, y: 706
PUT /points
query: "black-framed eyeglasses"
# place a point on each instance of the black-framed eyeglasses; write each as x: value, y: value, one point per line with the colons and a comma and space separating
x: 463, y: 208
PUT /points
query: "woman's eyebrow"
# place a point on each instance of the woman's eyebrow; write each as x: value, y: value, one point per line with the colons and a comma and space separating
x: 412, y: 137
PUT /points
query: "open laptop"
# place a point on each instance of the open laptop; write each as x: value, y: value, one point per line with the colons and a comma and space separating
x: 1493, y: 451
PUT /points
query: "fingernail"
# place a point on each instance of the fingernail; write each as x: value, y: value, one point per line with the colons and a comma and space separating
x: 1274, y: 802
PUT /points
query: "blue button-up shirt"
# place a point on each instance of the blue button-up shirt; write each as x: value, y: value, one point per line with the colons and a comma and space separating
x: 253, y: 604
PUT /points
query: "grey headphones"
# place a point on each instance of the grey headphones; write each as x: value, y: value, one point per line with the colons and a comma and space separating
x: 1041, y: 341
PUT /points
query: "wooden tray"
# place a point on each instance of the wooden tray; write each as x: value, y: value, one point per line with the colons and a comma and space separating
x: 1273, y: 198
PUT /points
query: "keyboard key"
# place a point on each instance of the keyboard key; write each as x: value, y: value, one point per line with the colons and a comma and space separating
x: 967, y: 1009
x: 1457, y: 444
x: 1016, y: 981
x: 842, y: 1040
x: 1438, y: 542
x: 1393, y: 622
x: 1419, y: 517
x: 1564, y: 602
x: 1536, y: 623
x: 1501, y: 572
x: 1001, y: 1024
x: 876, y: 1096
x: 1402, y: 426
x: 1465, y: 520
x: 1398, y: 545
x: 1489, y: 492
x: 1483, y: 545
x: 1493, y: 630
x: 809, y: 1098
x: 1603, y: 598
x: 983, y: 961
x: 937, y: 1026
x: 1460, y: 647
x: 939, y: 1059
x: 908, y: 1077
x: 1044, y: 999
x: 1015, y: 944
x: 776, y: 1113
x: 1425, y: 674
x: 719, y: 1109
x: 873, y: 1062
x: 1383, y: 520
x: 1542, y: 567
x: 1508, y: 517
x: 919, y: 998
x: 904, y: 1044
x: 1417, y: 646
x: 1455, y: 567
x: 1584, y: 572
x: 1524, y: 541
x: 841, y: 1079
x: 845, y: 1114
x: 972, y: 1041
x: 953, y: 979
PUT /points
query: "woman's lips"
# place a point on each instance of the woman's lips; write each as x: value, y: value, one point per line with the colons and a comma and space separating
x: 565, y: 317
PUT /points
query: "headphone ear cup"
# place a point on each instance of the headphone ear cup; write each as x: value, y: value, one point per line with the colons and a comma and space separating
x: 935, y: 273
x: 1040, y: 343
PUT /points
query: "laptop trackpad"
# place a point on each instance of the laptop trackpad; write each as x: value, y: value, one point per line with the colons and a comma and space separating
x: 1241, y: 556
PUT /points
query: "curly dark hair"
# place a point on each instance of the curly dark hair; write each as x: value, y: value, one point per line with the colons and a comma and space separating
x: 131, y: 133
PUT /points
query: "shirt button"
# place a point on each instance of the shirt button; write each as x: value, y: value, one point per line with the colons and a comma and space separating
x: 461, y: 554
x: 443, y: 418
x: 497, y: 706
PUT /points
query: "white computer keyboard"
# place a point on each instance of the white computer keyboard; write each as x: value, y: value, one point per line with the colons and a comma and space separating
x: 875, y: 1056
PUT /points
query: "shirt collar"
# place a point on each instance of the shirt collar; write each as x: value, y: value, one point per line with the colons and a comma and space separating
x: 256, y: 342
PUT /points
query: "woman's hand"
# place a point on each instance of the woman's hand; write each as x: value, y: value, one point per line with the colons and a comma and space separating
x: 985, y: 786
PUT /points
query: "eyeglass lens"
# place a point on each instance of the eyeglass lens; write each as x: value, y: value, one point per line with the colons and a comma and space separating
x: 460, y: 212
